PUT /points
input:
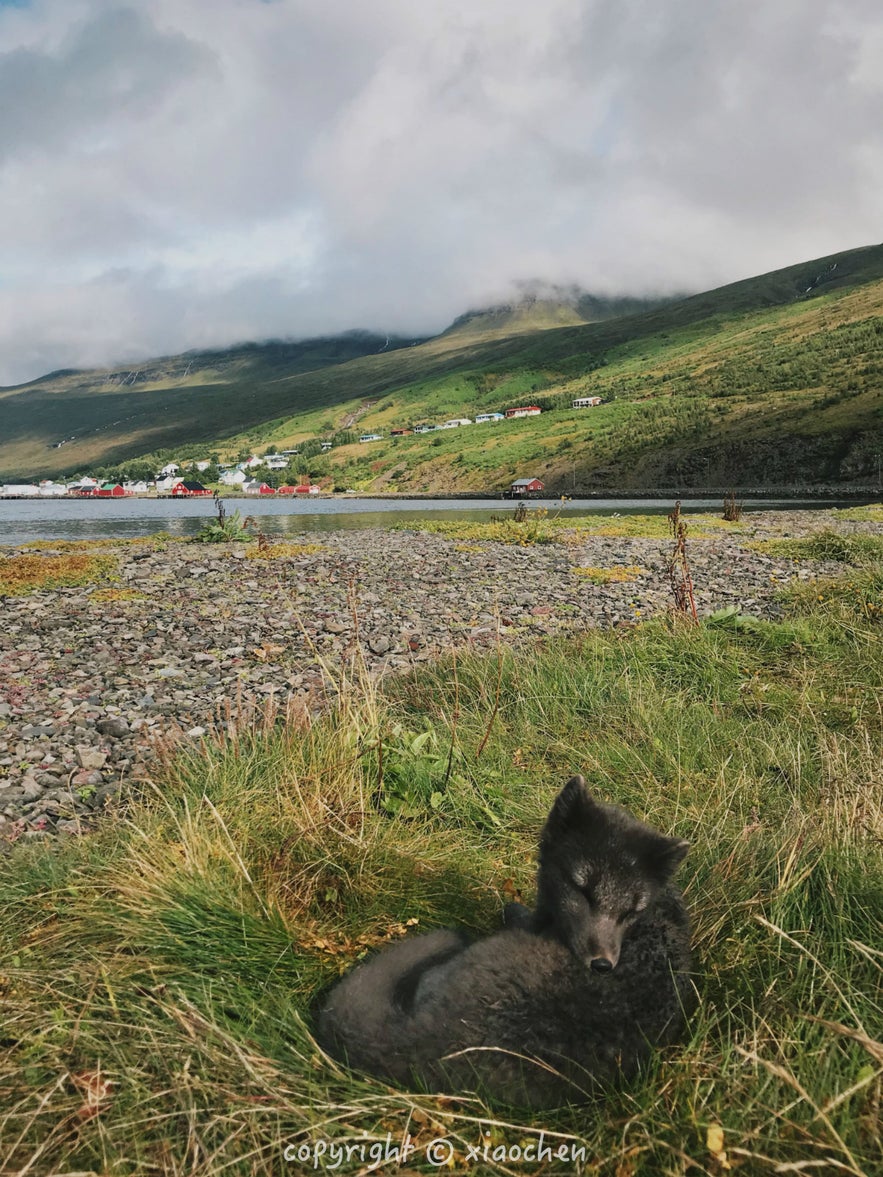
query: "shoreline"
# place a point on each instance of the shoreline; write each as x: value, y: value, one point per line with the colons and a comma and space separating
x: 185, y: 638
x: 797, y: 493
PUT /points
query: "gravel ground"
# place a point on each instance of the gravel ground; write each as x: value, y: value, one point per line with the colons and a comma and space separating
x: 207, y: 633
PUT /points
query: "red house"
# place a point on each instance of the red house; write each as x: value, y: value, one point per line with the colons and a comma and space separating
x: 526, y: 486
x: 110, y: 490
x: 286, y: 490
x: 187, y: 488
x: 524, y: 411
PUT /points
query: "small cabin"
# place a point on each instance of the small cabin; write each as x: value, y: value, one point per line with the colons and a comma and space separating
x: 526, y: 486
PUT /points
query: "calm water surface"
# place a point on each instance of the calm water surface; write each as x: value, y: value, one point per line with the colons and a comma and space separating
x: 24, y: 520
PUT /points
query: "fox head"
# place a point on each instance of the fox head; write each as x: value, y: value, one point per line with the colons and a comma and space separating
x: 599, y: 869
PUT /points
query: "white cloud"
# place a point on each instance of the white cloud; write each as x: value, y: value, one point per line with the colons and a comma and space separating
x: 178, y: 173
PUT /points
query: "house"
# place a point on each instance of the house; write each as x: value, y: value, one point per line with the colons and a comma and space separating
x: 276, y: 462
x: 169, y: 469
x: 19, y: 490
x: 326, y: 446
x: 83, y: 487
x: 250, y: 463
x: 201, y: 465
x: 424, y: 428
x: 585, y: 402
x: 136, y: 488
x: 523, y: 411
x: 482, y: 418
x: 525, y: 486
x: 307, y: 489
x: 400, y: 432
x: 456, y: 422
x: 371, y: 437
x: 233, y: 477
x: 54, y: 490
x: 187, y: 488
x: 257, y: 488
x: 110, y: 490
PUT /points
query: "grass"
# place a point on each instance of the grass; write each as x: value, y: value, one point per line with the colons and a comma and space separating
x: 21, y: 575
x: 827, y: 545
x: 872, y: 513
x: 539, y: 526
x: 283, y: 551
x: 158, y: 975
x: 619, y: 574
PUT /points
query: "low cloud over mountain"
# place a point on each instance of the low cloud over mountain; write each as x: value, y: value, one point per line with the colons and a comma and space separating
x: 178, y: 174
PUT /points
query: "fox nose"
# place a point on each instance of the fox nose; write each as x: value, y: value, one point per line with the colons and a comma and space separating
x: 601, y: 965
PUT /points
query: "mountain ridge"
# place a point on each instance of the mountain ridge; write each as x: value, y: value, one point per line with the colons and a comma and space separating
x: 253, y: 394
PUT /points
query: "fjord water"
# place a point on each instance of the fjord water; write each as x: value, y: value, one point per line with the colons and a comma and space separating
x: 28, y: 520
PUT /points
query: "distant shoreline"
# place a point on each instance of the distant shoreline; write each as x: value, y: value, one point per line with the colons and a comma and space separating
x: 802, y: 493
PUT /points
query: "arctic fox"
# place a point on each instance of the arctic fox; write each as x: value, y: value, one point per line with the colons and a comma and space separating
x: 566, y: 999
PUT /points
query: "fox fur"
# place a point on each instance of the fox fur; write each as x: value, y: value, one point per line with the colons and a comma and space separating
x: 565, y: 1000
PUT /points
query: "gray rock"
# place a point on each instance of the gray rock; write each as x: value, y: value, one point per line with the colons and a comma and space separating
x: 114, y: 726
x: 89, y: 757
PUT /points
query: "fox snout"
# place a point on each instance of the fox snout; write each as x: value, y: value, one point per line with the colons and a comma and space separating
x: 603, y: 945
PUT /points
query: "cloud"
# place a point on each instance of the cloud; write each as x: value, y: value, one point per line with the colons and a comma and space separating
x: 175, y: 173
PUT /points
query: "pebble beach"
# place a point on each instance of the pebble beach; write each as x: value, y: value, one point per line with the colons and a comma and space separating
x: 183, y: 639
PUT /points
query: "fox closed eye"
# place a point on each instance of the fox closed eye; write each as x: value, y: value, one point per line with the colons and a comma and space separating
x: 639, y: 903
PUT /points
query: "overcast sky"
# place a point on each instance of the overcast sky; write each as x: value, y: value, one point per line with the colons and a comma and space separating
x: 187, y: 173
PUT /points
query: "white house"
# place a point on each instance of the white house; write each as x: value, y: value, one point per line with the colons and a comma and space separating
x: 250, y: 463
x: 136, y: 488
x: 165, y: 484
x: 169, y: 469
x: 53, y: 490
x: 455, y: 422
x: 482, y: 418
x: 202, y: 465
x: 19, y: 490
x: 276, y: 462
x: 371, y: 437
x: 233, y: 477
x: 585, y: 402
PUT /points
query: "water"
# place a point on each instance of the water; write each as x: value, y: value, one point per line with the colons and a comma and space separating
x: 25, y: 520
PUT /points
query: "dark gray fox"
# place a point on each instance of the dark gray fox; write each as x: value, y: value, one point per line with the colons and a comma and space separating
x: 565, y: 1000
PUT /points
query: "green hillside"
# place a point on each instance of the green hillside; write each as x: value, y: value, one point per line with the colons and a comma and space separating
x: 771, y: 381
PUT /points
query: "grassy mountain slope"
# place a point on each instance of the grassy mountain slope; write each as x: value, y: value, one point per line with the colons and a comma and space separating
x: 775, y: 379
x: 107, y: 415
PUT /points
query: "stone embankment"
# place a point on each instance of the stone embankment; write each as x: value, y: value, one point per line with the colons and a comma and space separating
x: 187, y: 637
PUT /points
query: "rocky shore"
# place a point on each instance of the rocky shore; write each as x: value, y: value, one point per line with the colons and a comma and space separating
x: 185, y: 637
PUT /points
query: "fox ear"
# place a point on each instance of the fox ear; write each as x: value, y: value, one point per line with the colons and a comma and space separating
x: 572, y: 798
x: 666, y: 853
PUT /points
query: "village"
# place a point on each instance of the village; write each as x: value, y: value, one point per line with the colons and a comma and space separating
x: 173, y: 482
